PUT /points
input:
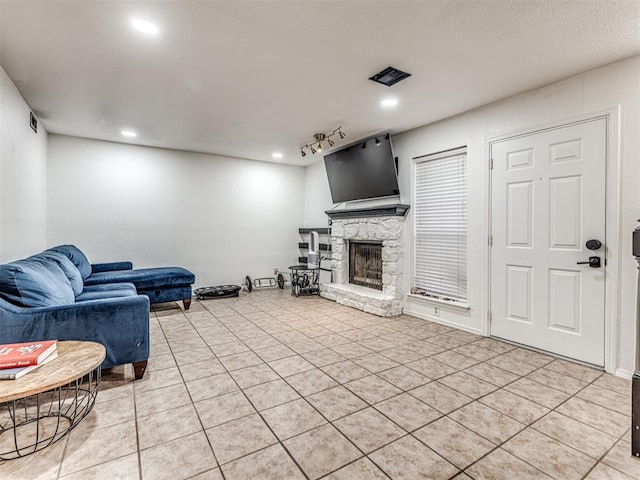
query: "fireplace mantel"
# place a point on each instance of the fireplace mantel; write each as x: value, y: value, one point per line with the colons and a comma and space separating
x: 395, y: 210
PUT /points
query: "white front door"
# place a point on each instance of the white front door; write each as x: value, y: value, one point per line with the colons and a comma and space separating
x: 547, y: 201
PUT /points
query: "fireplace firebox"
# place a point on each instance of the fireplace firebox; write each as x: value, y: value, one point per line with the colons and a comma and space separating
x: 365, y: 264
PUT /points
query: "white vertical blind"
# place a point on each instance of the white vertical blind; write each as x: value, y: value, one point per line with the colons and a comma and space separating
x: 440, y: 212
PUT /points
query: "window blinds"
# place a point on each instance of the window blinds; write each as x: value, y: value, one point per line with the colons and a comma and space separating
x: 440, y: 213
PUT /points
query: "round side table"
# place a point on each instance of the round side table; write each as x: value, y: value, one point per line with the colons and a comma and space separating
x: 41, y: 407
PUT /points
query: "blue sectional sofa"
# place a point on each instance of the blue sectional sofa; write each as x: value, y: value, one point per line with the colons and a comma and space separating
x: 58, y: 294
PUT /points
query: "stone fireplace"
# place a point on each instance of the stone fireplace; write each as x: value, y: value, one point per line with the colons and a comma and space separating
x: 367, y: 259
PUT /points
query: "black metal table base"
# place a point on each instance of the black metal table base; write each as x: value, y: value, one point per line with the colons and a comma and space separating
x: 30, y: 424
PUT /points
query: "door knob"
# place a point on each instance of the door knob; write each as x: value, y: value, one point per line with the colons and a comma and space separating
x: 594, y: 262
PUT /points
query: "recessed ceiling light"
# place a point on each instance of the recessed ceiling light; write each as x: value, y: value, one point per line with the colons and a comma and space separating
x: 129, y: 133
x: 389, y: 102
x: 145, y: 26
x: 276, y: 155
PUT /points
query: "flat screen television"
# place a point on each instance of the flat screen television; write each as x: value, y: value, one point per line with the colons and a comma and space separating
x: 363, y: 170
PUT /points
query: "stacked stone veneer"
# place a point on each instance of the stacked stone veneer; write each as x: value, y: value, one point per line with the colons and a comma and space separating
x: 387, y: 230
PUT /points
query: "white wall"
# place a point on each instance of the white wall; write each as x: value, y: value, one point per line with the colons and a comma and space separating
x: 591, y: 92
x: 317, y: 197
x: 23, y: 176
x: 222, y: 218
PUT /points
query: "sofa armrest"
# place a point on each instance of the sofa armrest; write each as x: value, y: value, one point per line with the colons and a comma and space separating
x: 120, y: 324
x: 110, y: 267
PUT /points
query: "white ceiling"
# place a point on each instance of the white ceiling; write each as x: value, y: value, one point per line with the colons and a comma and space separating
x: 245, y: 78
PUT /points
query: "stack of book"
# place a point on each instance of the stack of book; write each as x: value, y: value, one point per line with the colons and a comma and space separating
x: 18, y: 359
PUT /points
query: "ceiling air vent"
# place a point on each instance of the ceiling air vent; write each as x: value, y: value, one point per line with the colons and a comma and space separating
x: 389, y: 76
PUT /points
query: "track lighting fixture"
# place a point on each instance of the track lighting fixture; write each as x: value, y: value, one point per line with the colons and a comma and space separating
x: 386, y: 137
x: 364, y: 144
x: 377, y: 142
x: 316, y: 145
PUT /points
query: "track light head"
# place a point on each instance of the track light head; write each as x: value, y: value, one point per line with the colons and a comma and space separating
x: 386, y: 137
x: 377, y: 142
x: 364, y: 144
x: 319, y: 139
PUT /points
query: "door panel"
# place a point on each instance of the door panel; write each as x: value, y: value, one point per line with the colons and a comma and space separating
x: 520, y: 214
x: 564, y: 300
x: 518, y: 293
x: 548, y: 199
x: 564, y: 212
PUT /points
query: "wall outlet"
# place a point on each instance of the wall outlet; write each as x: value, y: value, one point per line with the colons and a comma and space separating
x: 436, y: 311
x: 275, y: 271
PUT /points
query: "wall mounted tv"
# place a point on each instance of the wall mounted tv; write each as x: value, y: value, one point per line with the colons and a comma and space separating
x: 366, y: 169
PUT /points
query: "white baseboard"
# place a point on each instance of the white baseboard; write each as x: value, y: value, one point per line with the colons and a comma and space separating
x: 443, y: 321
x: 623, y: 374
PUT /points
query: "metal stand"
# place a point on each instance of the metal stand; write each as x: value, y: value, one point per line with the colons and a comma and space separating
x: 304, y: 280
x: 635, y: 382
x: 32, y: 423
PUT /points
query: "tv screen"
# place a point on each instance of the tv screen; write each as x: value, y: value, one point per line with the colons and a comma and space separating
x: 364, y: 170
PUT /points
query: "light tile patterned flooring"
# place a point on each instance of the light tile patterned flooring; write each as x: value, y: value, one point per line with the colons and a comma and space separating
x: 267, y: 386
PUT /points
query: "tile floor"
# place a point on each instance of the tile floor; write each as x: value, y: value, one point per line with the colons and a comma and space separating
x: 267, y: 386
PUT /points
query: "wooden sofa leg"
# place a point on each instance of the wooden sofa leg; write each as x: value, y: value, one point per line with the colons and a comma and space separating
x: 187, y: 303
x: 139, y: 369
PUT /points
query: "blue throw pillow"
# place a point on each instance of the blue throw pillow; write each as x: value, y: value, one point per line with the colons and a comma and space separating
x: 69, y: 269
x: 35, y: 282
x: 76, y: 256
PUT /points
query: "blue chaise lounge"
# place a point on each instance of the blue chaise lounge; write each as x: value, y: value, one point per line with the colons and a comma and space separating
x: 160, y: 284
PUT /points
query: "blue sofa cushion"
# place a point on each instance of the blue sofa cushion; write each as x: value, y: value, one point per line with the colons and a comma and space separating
x: 106, y: 291
x: 145, y: 277
x: 69, y: 269
x: 35, y: 282
x: 76, y: 256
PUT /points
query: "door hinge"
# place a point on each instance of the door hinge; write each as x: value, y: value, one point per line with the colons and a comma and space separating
x: 490, y: 240
x: 491, y: 164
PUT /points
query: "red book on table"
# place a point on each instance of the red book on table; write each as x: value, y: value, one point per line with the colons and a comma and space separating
x: 16, y: 355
